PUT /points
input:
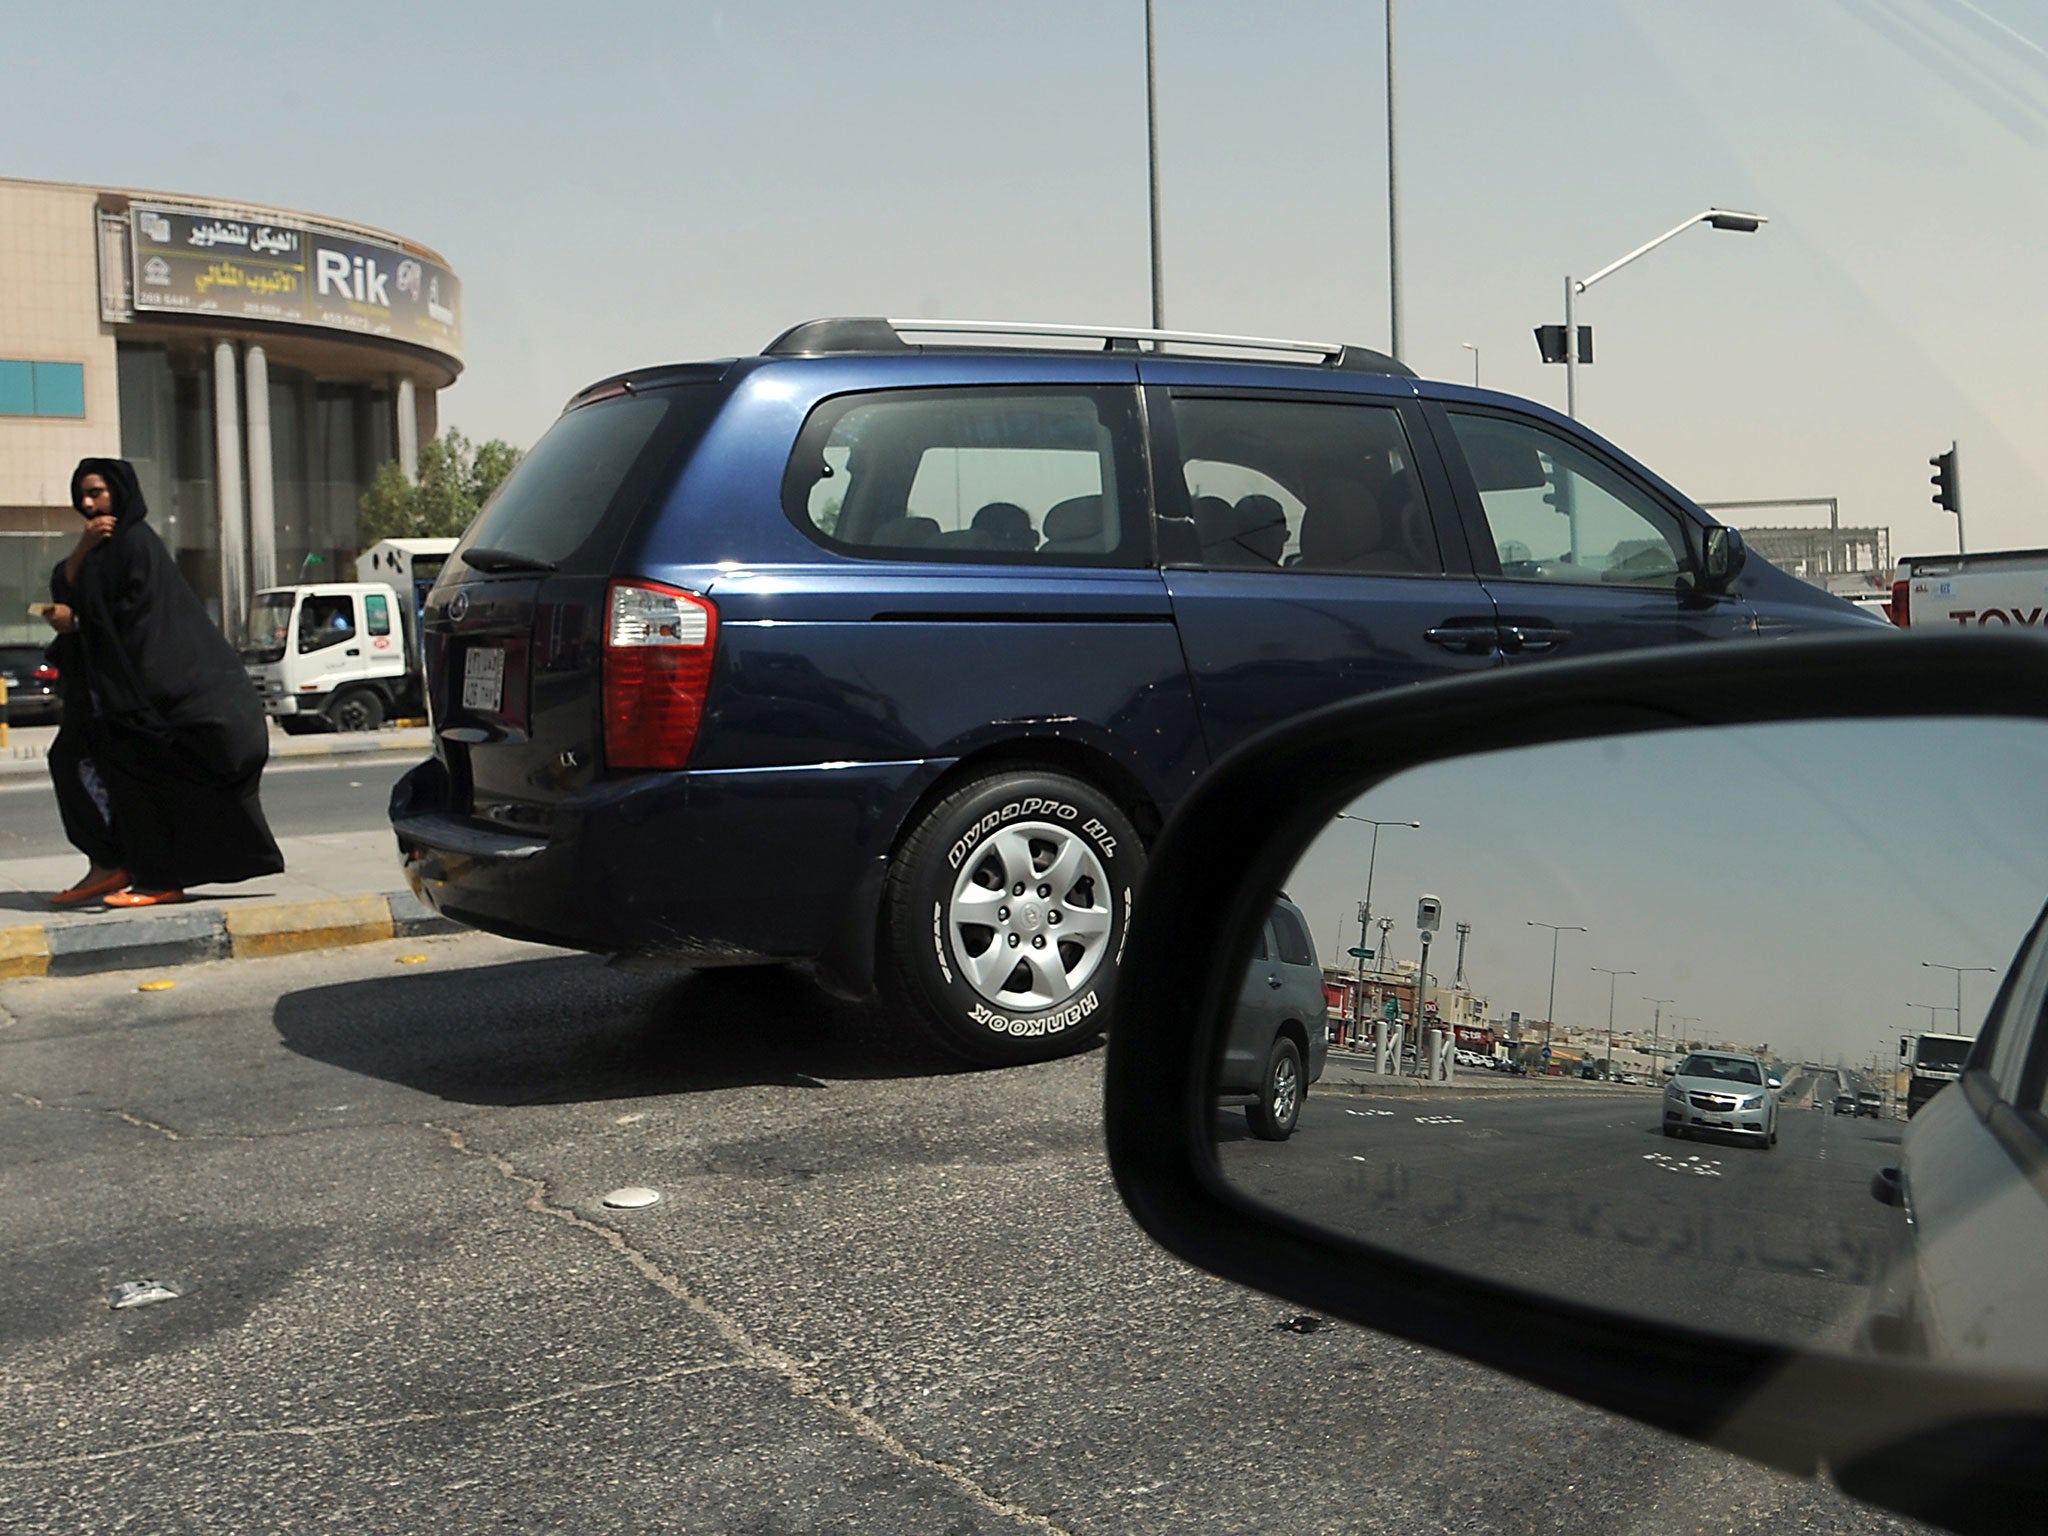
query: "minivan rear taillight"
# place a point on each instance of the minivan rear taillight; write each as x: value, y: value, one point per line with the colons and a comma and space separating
x: 658, y: 646
x: 1899, y: 611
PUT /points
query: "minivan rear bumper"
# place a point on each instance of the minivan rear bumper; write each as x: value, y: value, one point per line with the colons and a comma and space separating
x: 726, y: 867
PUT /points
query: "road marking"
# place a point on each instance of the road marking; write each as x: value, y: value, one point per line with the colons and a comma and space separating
x: 1365, y: 1113
x: 1707, y: 1168
x: 1438, y: 1120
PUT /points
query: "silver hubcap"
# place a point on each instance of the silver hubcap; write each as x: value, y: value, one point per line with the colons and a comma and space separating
x: 1030, y: 915
x: 1286, y: 1089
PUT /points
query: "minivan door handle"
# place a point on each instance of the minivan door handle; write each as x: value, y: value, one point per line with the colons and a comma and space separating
x: 1464, y: 639
x: 1273, y: 982
x: 1532, y: 637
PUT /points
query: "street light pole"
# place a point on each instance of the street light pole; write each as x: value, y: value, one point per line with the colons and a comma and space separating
x: 1152, y: 163
x: 1550, y: 1008
x: 1610, y: 974
x: 1936, y: 965
x: 1371, y: 859
x: 1656, y: 1022
x: 1393, y: 203
x: 1717, y: 218
x: 1473, y: 348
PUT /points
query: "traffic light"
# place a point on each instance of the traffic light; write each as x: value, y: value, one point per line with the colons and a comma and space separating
x: 1948, y: 489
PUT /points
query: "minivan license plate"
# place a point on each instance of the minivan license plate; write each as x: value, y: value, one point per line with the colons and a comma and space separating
x: 483, y: 679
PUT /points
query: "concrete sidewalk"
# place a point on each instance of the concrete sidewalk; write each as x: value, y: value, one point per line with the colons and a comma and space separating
x: 341, y: 888
x: 1349, y: 1071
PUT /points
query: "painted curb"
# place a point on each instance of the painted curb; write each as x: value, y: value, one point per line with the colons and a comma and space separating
x: 174, y: 936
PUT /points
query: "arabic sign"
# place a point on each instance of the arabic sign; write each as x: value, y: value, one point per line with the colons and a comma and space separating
x: 190, y: 261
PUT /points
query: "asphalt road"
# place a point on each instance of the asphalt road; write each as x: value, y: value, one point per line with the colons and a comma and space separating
x: 299, y: 800
x: 876, y: 1294
x: 1585, y: 1197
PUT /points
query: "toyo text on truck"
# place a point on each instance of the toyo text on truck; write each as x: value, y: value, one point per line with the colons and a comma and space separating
x: 2001, y: 589
x: 1932, y: 1061
x: 345, y: 655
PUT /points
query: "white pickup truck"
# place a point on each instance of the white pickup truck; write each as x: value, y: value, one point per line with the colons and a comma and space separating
x: 345, y: 655
x: 2003, y: 588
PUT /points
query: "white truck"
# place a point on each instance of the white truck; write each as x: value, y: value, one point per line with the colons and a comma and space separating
x: 2005, y: 589
x: 1932, y: 1062
x: 345, y: 655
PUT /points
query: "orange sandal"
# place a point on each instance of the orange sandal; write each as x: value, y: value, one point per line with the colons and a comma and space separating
x: 90, y: 889
x: 144, y: 898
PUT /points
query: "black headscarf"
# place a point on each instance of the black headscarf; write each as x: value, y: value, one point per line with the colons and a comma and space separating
x: 181, y: 737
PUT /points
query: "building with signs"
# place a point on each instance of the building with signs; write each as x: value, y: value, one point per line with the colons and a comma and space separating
x: 256, y: 365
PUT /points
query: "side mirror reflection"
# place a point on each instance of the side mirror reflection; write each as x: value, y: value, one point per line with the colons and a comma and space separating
x: 1662, y: 1155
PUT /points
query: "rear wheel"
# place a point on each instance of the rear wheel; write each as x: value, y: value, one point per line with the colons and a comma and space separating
x: 356, y: 709
x: 1005, y: 913
x: 1273, y: 1115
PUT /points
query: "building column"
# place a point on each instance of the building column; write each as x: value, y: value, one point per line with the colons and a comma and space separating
x: 227, y: 469
x: 262, y: 482
x: 408, y: 430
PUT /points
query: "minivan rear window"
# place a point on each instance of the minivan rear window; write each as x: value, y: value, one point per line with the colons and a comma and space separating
x: 571, y: 499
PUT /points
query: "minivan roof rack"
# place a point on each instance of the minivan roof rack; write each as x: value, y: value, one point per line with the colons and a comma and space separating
x: 860, y: 333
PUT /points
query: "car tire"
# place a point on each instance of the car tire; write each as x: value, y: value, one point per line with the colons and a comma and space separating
x: 1273, y: 1115
x: 304, y: 725
x: 1026, y: 865
x: 356, y: 709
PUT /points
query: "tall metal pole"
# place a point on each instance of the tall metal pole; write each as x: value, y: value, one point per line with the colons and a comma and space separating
x: 1656, y: 1026
x: 1393, y: 202
x: 1550, y: 1008
x: 1936, y: 965
x: 1152, y: 149
x: 1611, y: 975
x: 1571, y: 347
x: 1464, y: 933
x: 1358, y: 990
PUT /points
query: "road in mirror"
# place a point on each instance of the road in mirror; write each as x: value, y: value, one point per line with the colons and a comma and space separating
x: 1668, y: 986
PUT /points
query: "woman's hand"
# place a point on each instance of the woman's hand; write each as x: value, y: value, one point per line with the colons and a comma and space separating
x: 61, y: 618
x: 97, y: 531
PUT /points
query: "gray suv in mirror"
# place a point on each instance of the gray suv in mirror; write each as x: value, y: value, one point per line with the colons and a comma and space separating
x: 1280, y: 1035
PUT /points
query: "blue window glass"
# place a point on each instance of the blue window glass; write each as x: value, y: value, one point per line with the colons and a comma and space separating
x: 17, y: 389
x: 60, y: 389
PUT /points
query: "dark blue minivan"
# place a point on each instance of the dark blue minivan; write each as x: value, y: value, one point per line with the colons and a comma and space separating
x: 887, y: 651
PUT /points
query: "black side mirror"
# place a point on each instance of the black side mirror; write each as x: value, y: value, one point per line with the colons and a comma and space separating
x: 1424, y: 1233
x: 1726, y: 556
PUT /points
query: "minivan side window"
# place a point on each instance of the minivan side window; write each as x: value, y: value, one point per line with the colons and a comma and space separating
x: 1558, y: 514
x: 1303, y: 485
x: 1030, y: 475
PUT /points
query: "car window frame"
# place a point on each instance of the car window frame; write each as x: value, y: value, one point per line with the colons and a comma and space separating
x: 1174, y: 514
x: 1127, y: 428
x: 1471, y: 507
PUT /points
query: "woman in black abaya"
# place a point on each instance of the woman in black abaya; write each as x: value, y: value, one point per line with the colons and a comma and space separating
x: 165, y: 718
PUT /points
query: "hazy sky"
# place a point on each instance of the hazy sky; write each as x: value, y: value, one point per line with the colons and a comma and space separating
x: 1780, y: 883
x: 635, y: 182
